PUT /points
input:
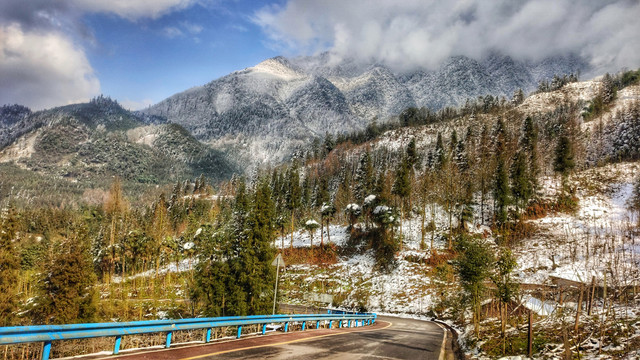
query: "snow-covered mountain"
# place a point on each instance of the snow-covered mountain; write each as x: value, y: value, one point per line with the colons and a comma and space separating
x: 262, y: 114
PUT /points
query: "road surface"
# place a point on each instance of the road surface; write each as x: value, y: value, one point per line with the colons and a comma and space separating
x: 389, y: 338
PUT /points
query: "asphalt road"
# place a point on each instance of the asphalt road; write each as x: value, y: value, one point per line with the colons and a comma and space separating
x: 390, y: 338
x: 403, y: 339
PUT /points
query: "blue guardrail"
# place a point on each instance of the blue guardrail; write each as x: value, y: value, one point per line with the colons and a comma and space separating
x: 49, y: 333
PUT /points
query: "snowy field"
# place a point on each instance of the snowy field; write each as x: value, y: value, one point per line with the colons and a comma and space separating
x: 598, y: 238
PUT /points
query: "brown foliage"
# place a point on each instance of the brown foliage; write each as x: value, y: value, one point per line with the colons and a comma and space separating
x: 326, y: 255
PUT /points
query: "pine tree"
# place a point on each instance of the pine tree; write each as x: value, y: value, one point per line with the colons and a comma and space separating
x: 440, y: 154
x: 328, y: 211
x: 257, y: 254
x: 564, y: 158
x: 9, y: 267
x: 293, y: 195
x: 67, y: 294
x: 518, y: 97
x: 212, y: 273
x: 412, y: 154
x: 506, y: 286
x: 634, y: 201
x: 364, y: 179
x: 521, y: 187
x: 501, y: 191
x: 484, y: 168
x: 529, y: 143
x: 607, y: 91
x: 116, y: 208
x: 329, y: 143
x: 473, y: 266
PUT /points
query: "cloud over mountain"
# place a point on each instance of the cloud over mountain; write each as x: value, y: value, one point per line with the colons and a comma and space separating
x: 43, y: 61
x: 423, y: 33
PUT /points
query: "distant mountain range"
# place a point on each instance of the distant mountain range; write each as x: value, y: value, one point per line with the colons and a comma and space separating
x: 263, y: 113
x: 101, y: 139
x: 259, y: 115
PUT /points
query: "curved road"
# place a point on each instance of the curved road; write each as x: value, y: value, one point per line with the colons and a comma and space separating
x: 389, y: 338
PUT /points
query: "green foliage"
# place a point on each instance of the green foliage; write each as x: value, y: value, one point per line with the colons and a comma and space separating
x: 473, y: 266
x: 9, y: 267
x: 364, y: 178
x: 234, y: 275
x: 521, y: 184
x: 506, y: 286
x: 402, y: 183
x: 382, y: 238
x: 564, y: 161
x: 501, y: 191
x: 634, y: 201
x: 67, y: 294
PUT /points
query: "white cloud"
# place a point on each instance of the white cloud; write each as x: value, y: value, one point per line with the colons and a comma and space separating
x: 172, y: 32
x: 422, y: 33
x: 192, y: 28
x: 42, y: 70
x: 133, y: 9
x: 42, y: 58
x: 136, y: 105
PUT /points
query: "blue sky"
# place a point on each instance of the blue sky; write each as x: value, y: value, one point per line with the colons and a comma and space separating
x: 148, y: 60
x: 139, y: 52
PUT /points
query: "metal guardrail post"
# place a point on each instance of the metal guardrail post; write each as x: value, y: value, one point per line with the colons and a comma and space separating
x: 286, y: 326
x: 46, y: 350
x: 239, y: 332
x: 168, y: 343
x: 264, y: 329
x: 116, y: 346
x: 208, y: 336
x: 317, y: 324
x: 330, y: 324
x: 304, y: 323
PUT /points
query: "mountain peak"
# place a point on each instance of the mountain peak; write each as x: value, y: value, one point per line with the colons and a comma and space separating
x: 278, y: 66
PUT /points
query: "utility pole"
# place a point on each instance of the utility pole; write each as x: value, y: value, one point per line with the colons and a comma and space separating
x: 276, y: 262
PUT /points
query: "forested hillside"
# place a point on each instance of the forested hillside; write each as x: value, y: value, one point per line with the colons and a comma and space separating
x: 79, y: 148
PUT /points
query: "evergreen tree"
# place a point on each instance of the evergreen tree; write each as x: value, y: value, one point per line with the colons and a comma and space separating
x: 607, y: 90
x: 529, y: 143
x: 501, y: 191
x: 258, y: 276
x: 212, y: 272
x: 328, y: 211
x: 67, y: 294
x: 453, y: 142
x: 116, y: 208
x: 440, y: 154
x: 364, y: 179
x: 506, y: 286
x: 322, y: 192
x: 412, y: 154
x: 634, y: 201
x: 9, y: 267
x: 521, y: 186
x: 518, y: 97
x: 484, y: 168
x: 293, y: 195
x: 473, y: 266
x: 564, y: 158
x: 329, y: 143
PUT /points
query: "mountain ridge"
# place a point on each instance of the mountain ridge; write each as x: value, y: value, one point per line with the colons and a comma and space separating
x: 289, y: 102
